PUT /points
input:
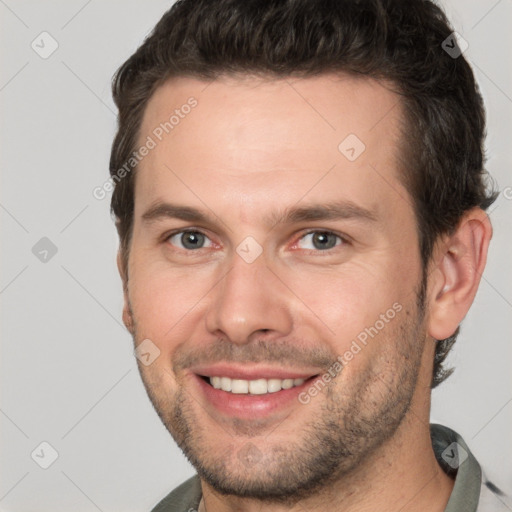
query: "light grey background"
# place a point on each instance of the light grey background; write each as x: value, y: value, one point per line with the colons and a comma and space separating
x: 68, y: 375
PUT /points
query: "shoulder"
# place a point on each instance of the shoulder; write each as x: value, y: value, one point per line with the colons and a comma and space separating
x: 184, y: 498
x: 472, y: 491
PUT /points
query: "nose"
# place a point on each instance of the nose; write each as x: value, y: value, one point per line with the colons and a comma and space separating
x: 249, y: 301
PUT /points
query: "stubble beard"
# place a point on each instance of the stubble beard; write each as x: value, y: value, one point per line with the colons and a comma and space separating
x: 348, y: 423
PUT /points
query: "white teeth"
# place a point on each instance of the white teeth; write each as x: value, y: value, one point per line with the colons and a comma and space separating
x: 258, y: 387
x: 239, y: 386
x: 225, y: 383
x: 274, y: 385
x: 287, y: 384
x: 253, y: 387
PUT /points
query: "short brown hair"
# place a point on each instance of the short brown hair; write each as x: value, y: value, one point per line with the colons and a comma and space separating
x: 392, y: 40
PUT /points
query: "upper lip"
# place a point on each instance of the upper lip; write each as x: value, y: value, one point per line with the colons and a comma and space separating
x: 252, y: 372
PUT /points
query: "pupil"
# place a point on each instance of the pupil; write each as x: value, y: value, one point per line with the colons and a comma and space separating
x: 324, y: 240
x: 191, y: 240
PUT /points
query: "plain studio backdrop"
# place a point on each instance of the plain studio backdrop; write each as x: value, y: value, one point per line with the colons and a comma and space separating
x: 68, y: 374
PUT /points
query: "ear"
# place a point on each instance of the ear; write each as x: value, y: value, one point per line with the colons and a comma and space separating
x: 460, y: 261
x: 127, y: 312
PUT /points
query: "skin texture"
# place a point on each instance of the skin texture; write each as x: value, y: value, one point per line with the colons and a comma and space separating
x: 250, y: 149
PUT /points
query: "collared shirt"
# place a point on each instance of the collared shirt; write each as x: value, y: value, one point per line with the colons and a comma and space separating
x: 472, y: 491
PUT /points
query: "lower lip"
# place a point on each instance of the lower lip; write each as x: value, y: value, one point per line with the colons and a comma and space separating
x: 247, y: 406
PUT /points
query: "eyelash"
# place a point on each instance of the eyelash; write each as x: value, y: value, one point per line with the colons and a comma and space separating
x: 344, y: 241
x: 343, y: 238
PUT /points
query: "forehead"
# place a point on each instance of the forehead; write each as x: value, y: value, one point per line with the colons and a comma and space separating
x: 246, y: 138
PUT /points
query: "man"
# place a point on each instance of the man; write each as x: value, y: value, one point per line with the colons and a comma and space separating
x: 300, y: 200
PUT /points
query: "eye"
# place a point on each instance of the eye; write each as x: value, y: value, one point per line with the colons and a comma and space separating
x: 189, y: 240
x: 319, y: 240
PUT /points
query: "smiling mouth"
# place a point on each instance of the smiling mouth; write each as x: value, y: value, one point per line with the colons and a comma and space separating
x: 253, y: 387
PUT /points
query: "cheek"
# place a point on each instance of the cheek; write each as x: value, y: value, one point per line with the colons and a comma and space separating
x: 350, y: 300
x: 165, y: 302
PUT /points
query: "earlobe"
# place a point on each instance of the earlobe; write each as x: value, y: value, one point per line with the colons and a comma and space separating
x: 461, y: 259
x: 127, y: 312
x: 127, y: 317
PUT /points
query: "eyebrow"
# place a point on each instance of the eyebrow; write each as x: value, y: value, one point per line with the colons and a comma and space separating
x: 338, y: 210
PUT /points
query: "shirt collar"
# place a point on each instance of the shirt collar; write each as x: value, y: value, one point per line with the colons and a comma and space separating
x: 456, y: 460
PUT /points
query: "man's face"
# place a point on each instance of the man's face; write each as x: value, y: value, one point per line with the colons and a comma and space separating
x: 299, y: 252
